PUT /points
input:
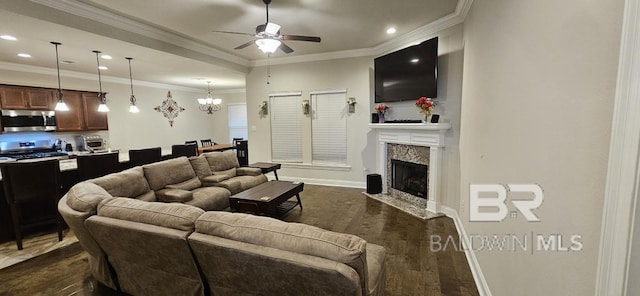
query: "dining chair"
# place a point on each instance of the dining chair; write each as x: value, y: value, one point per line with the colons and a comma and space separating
x: 207, y: 142
x: 187, y: 150
x: 97, y: 165
x: 32, y: 187
x: 194, y: 142
x: 138, y: 157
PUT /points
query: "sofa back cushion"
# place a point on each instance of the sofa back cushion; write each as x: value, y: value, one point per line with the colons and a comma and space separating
x: 171, y: 171
x: 85, y: 197
x: 200, y: 166
x: 172, y: 215
x: 222, y: 161
x: 128, y: 183
x: 293, y: 237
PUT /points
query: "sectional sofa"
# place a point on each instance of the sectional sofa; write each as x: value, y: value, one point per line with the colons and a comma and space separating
x: 164, y: 229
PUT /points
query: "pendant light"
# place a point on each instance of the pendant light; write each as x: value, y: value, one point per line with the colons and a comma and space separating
x: 133, y: 108
x: 60, y: 105
x: 101, y: 96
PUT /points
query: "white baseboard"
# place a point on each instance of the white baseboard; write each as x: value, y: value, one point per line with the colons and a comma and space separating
x: 325, y: 182
x: 478, y: 277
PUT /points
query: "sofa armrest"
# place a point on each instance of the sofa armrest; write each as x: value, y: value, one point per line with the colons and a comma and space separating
x: 246, y: 171
x: 174, y: 195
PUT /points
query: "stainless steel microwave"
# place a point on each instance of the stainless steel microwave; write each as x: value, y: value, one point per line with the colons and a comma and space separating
x: 28, y: 120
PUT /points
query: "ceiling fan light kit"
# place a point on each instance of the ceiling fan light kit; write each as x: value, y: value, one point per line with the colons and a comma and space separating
x: 268, y: 45
x: 268, y: 37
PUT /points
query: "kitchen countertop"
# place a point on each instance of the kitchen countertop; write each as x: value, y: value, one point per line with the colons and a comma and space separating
x: 70, y: 164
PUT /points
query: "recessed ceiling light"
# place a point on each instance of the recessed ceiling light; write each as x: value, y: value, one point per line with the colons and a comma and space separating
x: 8, y: 37
x: 415, y: 60
x: 106, y: 56
x: 103, y: 68
x: 24, y: 55
x: 391, y: 30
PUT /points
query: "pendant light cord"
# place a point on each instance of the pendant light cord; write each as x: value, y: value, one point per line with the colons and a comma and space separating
x: 99, y: 79
x: 58, y: 67
x: 133, y: 98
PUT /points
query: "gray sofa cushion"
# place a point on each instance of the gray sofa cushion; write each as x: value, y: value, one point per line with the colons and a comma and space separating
x: 190, y: 184
x: 85, y: 197
x: 293, y: 237
x: 172, y: 171
x: 172, y: 215
x: 230, y: 172
x: 200, y: 166
x: 174, y: 195
x: 221, y: 161
x: 128, y: 183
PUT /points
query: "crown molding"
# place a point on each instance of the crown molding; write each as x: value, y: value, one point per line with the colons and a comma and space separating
x: 137, y: 27
x: 84, y: 76
x: 414, y: 37
x: 355, y: 53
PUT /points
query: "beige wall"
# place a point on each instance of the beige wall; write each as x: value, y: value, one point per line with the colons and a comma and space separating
x: 350, y: 74
x: 147, y: 128
x: 538, y: 88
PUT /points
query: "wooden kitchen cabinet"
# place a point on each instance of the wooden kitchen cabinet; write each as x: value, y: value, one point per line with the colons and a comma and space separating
x: 72, y: 120
x: 83, y: 113
x: 22, y: 98
x: 93, y: 119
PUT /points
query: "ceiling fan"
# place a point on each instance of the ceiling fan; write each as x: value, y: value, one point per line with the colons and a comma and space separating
x: 268, y: 37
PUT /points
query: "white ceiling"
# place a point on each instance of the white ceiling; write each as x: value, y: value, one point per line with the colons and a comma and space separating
x: 172, y: 41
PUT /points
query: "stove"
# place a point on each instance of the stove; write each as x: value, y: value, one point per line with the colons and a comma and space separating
x: 28, y: 150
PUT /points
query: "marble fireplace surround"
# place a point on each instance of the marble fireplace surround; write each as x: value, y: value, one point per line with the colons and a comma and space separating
x: 418, y: 134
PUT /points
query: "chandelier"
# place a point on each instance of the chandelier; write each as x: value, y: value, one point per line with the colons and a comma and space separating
x: 209, y: 104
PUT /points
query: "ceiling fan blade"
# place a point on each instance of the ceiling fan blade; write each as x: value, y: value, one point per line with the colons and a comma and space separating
x: 244, y: 45
x: 237, y: 33
x: 301, y: 38
x: 285, y: 48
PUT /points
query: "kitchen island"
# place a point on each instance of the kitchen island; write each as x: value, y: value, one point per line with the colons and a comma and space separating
x: 68, y: 178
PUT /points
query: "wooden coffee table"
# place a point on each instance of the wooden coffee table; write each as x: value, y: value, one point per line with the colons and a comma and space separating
x: 270, y: 198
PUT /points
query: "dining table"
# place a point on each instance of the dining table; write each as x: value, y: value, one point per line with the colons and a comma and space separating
x: 216, y: 147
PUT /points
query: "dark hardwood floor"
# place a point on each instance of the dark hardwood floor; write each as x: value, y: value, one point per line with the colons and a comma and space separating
x: 412, y: 269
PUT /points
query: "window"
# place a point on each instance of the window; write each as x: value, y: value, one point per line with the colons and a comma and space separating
x: 286, y: 127
x: 237, y: 114
x: 329, y: 127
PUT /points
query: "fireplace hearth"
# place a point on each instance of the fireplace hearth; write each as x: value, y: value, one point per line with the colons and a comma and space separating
x: 410, y: 177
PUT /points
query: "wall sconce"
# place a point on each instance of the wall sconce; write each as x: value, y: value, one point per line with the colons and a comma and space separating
x: 352, y: 104
x: 264, y: 109
x: 305, y: 107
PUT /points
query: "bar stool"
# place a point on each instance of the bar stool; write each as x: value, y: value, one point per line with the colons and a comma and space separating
x: 138, y: 157
x: 97, y: 165
x: 28, y: 183
x: 187, y: 150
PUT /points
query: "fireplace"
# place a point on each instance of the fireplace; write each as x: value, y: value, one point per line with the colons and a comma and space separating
x: 416, y: 143
x: 410, y: 177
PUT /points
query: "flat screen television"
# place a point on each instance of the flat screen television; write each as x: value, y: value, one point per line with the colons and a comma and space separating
x: 407, y: 74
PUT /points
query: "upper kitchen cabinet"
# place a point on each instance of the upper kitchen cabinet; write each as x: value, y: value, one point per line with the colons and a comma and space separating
x: 93, y: 119
x: 83, y: 113
x: 72, y: 120
x: 25, y: 98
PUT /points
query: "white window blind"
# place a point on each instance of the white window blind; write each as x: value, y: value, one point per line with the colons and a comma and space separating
x: 237, y: 118
x: 329, y: 127
x: 286, y: 127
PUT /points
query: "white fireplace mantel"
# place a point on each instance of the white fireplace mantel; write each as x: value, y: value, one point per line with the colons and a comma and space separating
x: 419, y: 134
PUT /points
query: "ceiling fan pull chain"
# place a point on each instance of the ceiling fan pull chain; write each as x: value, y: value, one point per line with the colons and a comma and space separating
x: 268, y: 68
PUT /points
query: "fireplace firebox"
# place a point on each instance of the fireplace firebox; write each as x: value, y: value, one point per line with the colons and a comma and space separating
x: 410, y: 177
